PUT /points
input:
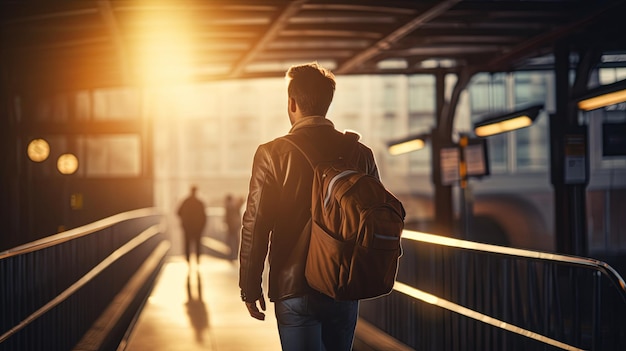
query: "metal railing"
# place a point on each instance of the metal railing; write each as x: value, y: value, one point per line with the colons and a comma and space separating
x: 459, y: 295
x: 52, y: 290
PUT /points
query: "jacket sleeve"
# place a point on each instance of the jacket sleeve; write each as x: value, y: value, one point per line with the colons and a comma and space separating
x: 258, y: 222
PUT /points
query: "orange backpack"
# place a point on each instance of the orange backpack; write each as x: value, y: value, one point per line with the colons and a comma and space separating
x: 356, y: 224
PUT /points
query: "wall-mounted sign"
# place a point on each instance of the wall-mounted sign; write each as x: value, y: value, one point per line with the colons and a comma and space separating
x: 450, y: 159
x: 476, y: 158
x: 614, y: 139
x: 575, y: 159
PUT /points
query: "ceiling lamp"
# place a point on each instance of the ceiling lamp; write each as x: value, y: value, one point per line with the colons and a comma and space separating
x: 408, y: 144
x: 604, y: 95
x: 497, y: 124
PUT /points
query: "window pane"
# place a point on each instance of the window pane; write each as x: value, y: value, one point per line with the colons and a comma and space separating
x: 116, y: 104
x: 50, y: 109
x: 390, y: 96
x: 487, y: 93
x: 243, y: 141
x: 421, y: 93
x: 530, y: 88
x: 111, y: 156
x: 200, y: 146
x: 497, y: 145
x: 82, y: 105
x: 533, y: 151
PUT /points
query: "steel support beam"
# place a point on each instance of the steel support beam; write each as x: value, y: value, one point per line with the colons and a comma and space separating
x: 278, y: 24
x: 441, y: 137
x: 386, y: 42
x: 569, y: 163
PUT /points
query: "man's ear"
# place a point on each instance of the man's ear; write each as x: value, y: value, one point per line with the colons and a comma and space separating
x: 292, y: 105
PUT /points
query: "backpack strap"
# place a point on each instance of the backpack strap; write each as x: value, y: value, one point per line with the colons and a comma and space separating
x: 291, y: 138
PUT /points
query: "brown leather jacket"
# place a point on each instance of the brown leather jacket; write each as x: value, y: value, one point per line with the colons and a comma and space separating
x: 278, y: 209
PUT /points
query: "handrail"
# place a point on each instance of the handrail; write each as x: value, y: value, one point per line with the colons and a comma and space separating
x: 596, y: 265
x: 89, y: 276
x: 78, y: 232
x: 451, y: 306
x: 603, y: 267
x: 72, y: 276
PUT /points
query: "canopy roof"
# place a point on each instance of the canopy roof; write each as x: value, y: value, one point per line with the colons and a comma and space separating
x: 82, y: 44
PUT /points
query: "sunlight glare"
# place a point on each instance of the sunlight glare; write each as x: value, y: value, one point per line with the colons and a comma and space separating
x: 164, y: 50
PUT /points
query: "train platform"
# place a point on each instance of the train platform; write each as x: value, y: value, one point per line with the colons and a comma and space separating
x: 197, y: 307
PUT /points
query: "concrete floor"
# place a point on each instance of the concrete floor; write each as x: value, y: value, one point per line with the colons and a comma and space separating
x: 198, y: 308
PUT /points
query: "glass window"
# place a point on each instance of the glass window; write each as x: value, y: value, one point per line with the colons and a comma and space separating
x: 611, y: 75
x: 488, y: 93
x: 421, y: 122
x: 116, y: 104
x: 82, y: 105
x: 243, y: 141
x: 497, y: 151
x: 421, y: 93
x: 422, y: 105
x: 390, y: 97
x: 201, y: 147
x: 51, y: 109
x: 531, y: 147
x: 110, y: 155
x: 530, y: 88
x: 420, y: 160
x: 532, y: 150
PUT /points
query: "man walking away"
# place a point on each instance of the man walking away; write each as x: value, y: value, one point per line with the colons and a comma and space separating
x: 277, y: 217
x: 193, y: 220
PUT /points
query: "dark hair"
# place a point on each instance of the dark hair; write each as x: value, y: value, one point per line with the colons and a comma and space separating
x: 312, y: 86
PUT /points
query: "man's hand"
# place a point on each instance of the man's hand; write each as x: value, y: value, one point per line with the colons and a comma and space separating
x: 254, y: 310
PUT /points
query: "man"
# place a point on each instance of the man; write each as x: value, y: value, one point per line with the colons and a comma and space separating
x: 193, y: 220
x: 232, y: 218
x: 277, y: 216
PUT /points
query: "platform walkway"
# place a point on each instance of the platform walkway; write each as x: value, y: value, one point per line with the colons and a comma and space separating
x: 198, y: 308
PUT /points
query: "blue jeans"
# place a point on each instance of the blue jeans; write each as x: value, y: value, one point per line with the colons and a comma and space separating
x: 316, y: 322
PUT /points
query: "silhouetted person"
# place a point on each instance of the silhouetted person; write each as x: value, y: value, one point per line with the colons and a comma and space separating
x: 193, y: 220
x: 232, y: 218
x: 277, y: 216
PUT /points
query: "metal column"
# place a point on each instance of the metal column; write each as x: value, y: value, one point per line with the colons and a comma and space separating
x: 569, y: 163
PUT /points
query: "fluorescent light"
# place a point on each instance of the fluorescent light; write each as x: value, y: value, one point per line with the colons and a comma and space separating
x: 504, y: 126
x: 602, y: 96
x: 505, y: 123
x: 409, y: 144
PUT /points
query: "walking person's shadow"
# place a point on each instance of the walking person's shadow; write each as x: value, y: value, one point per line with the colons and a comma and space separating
x: 196, y: 309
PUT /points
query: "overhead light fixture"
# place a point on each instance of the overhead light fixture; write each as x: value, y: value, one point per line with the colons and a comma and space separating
x: 604, y: 95
x: 38, y: 150
x: 497, y: 124
x: 67, y: 164
x: 408, y: 144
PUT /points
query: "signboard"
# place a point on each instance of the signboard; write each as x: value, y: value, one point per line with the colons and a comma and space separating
x: 450, y: 158
x: 575, y: 159
x: 476, y: 159
x: 614, y: 139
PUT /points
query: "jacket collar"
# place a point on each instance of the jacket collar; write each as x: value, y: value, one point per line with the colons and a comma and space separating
x: 311, y: 121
